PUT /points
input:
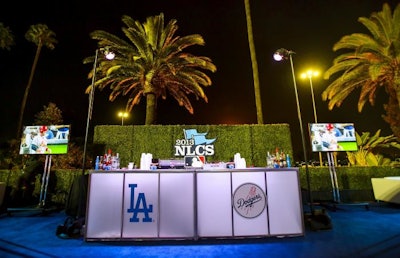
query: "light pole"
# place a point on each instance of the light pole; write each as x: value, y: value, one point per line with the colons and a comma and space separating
x: 310, y: 74
x: 109, y: 55
x: 279, y: 55
x: 122, y: 115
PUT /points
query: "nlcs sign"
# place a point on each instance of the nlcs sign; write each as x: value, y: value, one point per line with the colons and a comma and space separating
x: 194, y: 144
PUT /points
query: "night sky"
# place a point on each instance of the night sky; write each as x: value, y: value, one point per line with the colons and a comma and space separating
x: 310, y: 28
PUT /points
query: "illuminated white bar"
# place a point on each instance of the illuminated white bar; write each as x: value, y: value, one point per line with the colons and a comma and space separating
x: 192, y: 204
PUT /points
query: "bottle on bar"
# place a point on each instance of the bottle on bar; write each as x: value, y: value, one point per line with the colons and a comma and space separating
x: 288, y: 161
x: 276, y: 158
x: 283, y: 159
x: 270, y: 160
x: 97, y: 163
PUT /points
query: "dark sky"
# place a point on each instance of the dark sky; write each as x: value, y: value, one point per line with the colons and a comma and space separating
x: 308, y: 27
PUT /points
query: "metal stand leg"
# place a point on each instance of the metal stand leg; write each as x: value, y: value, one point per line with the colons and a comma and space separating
x: 335, y: 185
x: 332, y: 171
x: 43, y: 191
x: 45, y: 181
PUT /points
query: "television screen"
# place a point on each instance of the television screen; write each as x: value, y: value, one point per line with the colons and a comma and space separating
x: 327, y: 137
x: 45, y: 139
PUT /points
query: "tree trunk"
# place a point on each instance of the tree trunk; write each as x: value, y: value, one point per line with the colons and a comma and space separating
x: 254, y: 63
x: 151, y: 106
x: 28, y: 86
x: 392, y: 116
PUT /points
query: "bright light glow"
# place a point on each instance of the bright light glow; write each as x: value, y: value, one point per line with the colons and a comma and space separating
x: 278, y: 57
x: 309, y: 74
x: 282, y: 53
x: 123, y: 114
x: 109, y: 55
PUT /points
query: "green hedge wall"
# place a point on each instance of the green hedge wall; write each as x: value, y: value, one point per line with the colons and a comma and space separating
x: 24, y: 188
x: 354, y: 178
x: 251, y: 141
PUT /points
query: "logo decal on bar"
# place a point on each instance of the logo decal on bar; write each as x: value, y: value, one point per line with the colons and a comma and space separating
x: 140, y: 206
x: 249, y: 200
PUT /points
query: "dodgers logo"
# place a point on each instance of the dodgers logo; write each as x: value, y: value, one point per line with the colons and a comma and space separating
x: 139, y: 206
x: 249, y: 200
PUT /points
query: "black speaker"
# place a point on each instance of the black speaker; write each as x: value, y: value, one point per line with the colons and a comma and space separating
x: 318, y: 220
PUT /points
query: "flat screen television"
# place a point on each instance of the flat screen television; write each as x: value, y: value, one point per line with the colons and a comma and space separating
x: 45, y: 139
x: 326, y: 137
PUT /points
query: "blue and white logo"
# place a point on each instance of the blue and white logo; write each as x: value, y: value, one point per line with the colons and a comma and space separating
x: 249, y: 200
x: 139, y: 206
x: 194, y: 144
x: 199, y: 138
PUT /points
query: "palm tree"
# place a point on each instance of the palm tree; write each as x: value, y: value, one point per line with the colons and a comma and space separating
x: 369, y: 149
x: 373, y: 63
x: 41, y: 36
x: 254, y: 63
x: 152, y: 65
x: 6, y: 37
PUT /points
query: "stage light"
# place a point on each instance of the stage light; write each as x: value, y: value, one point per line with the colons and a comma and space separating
x: 283, y: 54
x: 108, y: 53
x: 310, y: 74
x: 313, y: 218
x: 111, y: 55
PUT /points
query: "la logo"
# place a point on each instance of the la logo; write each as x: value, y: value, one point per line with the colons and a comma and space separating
x: 139, y: 206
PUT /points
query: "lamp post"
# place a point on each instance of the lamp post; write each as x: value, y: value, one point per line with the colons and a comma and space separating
x: 310, y: 74
x: 122, y: 115
x: 109, y: 55
x: 283, y: 54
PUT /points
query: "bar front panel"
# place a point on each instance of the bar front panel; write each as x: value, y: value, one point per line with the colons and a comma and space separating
x: 250, y: 216
x: 104, y: 214
x: 177, y: 205
x: 214, y: 206
x: 285, y: 209
x: 140, y: 205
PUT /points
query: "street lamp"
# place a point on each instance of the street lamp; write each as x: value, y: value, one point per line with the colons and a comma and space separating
x: 283, y: 54
x: 109, y: 55
x: 123, y: 115
x: 310, y: 74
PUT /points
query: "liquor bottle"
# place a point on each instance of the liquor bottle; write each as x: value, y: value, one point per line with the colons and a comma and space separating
x: 288, y: 161
x: 109, y: 158
x: 97, y: 163
x: 270, y: 160
x: 283, y: 159
x: 276, y: 158
x: 106, y: 162
x: 118, y: 161
x: 115, y: 162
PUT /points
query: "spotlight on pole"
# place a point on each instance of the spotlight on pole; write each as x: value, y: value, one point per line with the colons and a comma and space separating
x: 109, y: 55
x: 310, y: 74
x: 122, y: 115
x: 316, y: 220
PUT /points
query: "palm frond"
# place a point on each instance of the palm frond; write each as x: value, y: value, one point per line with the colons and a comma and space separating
x: 152, y: 61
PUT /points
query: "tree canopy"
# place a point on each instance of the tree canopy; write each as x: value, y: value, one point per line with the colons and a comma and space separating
x: 371, y: 63
x: 152, y: 64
